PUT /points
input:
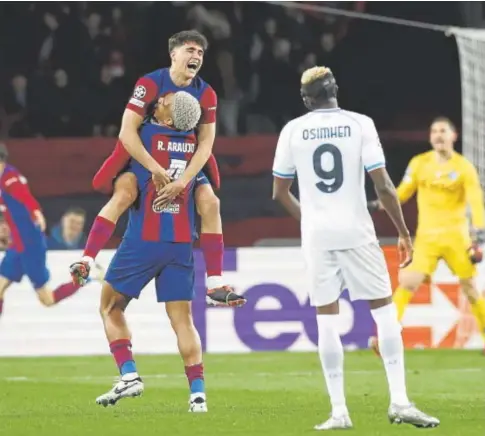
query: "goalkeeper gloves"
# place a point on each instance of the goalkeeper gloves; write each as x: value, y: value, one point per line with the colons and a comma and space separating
x: 475, y: 252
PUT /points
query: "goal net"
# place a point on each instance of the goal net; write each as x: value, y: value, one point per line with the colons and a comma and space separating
x: 471, y: 49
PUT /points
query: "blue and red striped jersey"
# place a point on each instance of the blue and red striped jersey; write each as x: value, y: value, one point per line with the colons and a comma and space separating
x: 149, y: 88
x: 173, y: 150
x: 18, y: 205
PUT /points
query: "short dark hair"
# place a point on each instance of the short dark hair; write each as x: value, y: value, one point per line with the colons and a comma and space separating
x: 186, y: 36
x: 3, y: 152
x: 443, y: 119
x: 75, y: 210
x: 318, y: 86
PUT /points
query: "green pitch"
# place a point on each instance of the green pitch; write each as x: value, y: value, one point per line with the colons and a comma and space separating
x: 256, y: 394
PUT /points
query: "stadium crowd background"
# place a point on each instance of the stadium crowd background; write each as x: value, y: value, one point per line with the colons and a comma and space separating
x: 67, y: 70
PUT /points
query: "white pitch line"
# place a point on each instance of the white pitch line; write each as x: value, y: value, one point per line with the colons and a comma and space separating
x: 226, y: 374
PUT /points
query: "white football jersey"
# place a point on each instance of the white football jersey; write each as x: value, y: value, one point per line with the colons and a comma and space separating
x: 329, y: 149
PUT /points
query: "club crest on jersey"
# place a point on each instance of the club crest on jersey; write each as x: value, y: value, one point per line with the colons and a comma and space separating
x: 172, y: 208
x: 453, y: 175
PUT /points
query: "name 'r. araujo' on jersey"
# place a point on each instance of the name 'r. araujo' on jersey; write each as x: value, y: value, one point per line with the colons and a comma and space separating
x: 329, y: 149
x: 173, y: 150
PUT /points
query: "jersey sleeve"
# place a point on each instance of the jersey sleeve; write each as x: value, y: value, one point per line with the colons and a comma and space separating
x: 16, y: 185
x: 144, y: 94
x: 474, y: 196
x: 208, y: 105
x: 409, y: 184
x: 372, y: 153
x: 284, y: 166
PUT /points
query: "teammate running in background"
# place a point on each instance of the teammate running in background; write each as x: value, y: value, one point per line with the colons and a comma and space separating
x: 157, y: 245
x: 26, y: 254
x: 187, y: 50
x: 329, y: 148
x: 446, y: 183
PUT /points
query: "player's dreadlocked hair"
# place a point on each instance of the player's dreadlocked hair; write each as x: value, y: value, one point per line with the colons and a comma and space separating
x: 186, y: 36
x: 318, y: 86
x: 185, y: 111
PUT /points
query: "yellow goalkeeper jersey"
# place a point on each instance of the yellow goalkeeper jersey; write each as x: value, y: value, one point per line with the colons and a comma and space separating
x: 444, y: 191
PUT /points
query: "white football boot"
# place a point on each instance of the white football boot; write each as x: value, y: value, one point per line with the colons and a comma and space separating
x: 130, y: 385
x: 198, y: 403
x: 335, y: 422
x: 411, y: 415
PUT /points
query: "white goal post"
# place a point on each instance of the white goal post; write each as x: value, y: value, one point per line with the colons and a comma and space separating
x: 471, y: 49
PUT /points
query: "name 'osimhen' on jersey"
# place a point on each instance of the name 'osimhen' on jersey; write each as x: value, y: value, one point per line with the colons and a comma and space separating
x: 329, y: 149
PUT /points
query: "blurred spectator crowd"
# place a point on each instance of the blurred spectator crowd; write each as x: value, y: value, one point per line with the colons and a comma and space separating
x: 67, y: 69
x: 67, y: 234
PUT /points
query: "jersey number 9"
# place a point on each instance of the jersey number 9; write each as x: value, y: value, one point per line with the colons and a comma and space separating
x: 331, y: 179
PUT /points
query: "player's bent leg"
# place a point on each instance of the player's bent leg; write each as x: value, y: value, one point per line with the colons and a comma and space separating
x: 458, y: 260
x: 425, y: 259
x: 49, y: 297
x: 189, y: 345
x: 112, y: 311
x: 110, y: 169
x: 124, y: 195
x: 331, y: 355
x: 391, y: 348
x: 11, y: 270
x: 409, y: 282
x: 212, y: 246
x: 477, y: 302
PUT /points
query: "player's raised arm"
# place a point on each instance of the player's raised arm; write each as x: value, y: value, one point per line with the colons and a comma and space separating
x: 17, y: 187
x: 283, y: 175
x: 144, y: 95
x: 474, y: 197
x: 407, y: 187
x: 205, y: 136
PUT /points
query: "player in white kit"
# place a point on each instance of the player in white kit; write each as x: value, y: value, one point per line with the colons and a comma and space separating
x: 328, y: 149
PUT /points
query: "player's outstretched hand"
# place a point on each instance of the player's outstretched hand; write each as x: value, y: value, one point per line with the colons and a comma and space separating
x: 168, y: 193
x: 160, y: 178
x: 40, y: 220
x: 405, y: 248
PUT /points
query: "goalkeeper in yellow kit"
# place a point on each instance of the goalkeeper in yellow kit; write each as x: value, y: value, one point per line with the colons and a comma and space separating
x: 446, y: 184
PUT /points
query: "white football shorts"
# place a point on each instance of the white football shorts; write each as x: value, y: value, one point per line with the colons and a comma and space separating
x: 362, y: 270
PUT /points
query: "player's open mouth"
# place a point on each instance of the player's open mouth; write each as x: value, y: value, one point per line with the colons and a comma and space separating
x: 193, y: 65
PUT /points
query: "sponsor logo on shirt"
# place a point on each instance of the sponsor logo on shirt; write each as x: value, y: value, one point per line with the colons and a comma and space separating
x: 172, y: 208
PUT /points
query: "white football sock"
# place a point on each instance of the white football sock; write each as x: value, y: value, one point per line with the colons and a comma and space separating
x: 214, y: 282
x: 392, y: 351
x: 332, y: 358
